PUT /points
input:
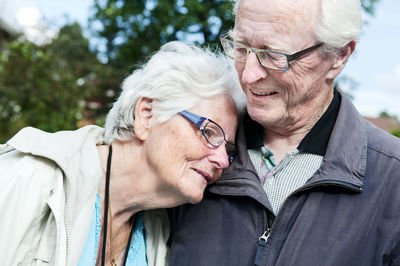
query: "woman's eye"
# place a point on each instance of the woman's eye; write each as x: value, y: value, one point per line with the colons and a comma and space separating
x: 208, y: 132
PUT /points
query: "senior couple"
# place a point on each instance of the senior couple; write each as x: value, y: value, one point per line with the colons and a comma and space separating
x: 307, y: 180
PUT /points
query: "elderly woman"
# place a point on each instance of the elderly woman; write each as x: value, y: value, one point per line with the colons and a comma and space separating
x: 94, y: 196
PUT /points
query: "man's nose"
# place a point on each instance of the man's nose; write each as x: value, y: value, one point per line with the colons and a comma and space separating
x: 253, y: 71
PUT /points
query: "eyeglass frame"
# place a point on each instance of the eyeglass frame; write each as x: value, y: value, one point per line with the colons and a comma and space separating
x: 199, y: 121
x: 289, y: 57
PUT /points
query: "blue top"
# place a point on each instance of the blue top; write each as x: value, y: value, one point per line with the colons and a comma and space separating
x: 137, y: 249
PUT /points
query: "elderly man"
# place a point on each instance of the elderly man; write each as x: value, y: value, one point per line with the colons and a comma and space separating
x: 313, y: 183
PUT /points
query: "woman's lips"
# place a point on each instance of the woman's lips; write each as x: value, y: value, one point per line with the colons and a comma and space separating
x: 205, y: 175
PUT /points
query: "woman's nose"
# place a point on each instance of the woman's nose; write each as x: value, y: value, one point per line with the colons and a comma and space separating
x: 219, y: 157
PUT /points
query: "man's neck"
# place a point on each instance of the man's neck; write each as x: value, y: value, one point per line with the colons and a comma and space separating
x: 281, y: 145
x: 310, y: 134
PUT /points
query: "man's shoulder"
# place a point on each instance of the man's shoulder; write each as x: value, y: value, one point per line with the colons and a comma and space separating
x: 382, y: 142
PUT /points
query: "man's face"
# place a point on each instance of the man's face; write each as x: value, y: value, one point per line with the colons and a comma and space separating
x: 283, y: 99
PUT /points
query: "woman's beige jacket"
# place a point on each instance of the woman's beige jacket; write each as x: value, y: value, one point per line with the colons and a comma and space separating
x: 48, y: 186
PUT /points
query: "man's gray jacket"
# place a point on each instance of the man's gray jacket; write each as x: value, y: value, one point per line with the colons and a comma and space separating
x: 347, y: 213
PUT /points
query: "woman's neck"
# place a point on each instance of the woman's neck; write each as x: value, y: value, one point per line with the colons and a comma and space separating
x: 133, y: 185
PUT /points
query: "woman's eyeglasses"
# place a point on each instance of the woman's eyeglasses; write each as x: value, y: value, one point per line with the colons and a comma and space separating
x: 212, y: 132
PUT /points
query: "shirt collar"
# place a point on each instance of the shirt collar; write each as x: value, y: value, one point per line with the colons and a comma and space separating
x: 314, y: 142
x: 254, y: 133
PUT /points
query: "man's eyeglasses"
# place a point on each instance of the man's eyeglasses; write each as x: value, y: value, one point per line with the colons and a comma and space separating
x: 212, y: 132
x: 267, y: 58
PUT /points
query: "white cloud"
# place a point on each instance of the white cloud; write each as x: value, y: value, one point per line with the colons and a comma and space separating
x: 29, y: 17
x: 33, y: 26
x: 382, y: 94
x: 389, y: 82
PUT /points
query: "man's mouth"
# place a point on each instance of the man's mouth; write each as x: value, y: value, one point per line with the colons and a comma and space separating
x: 261, y: 93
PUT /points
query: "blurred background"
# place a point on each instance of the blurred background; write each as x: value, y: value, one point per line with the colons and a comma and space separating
x: 61, y: 62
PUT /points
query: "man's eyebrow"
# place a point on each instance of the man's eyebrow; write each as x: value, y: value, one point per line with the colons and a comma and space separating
x: 237, y: 35
x: 262, y: 46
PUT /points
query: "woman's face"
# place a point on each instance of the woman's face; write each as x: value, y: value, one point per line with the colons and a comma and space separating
x: 181, y: 157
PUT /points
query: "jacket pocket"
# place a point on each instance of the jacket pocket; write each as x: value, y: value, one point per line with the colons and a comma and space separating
x: 47, y: 245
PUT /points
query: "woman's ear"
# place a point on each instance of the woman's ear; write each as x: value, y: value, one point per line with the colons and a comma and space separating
x: 143, y: 115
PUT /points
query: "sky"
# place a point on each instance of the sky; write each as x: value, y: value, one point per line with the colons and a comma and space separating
x: 375, y: 65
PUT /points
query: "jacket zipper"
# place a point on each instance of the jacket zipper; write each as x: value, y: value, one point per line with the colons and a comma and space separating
x: 262, y: 240
x: 65, y: 210
x: 67, y: 233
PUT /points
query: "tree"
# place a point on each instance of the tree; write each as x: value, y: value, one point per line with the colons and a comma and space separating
x: 369, y: 6
x: 386, y: 115
x: 58, y: 85
x: 132, y: 30
x: 46, y: 86
x: 396, y: 133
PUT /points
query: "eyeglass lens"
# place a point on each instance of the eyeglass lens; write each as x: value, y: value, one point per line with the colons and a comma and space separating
x: 239, y: 52
x: 214, y: 134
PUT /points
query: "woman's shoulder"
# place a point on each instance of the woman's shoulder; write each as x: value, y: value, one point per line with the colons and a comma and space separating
x: 21, y: 167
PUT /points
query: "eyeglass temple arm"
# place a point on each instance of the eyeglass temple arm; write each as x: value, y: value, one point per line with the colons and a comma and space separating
x: 303, y: 52
x: 196, y: 119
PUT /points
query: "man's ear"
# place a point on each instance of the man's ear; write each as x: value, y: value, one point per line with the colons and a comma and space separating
x: 143, y: 115
x: 341, y: 60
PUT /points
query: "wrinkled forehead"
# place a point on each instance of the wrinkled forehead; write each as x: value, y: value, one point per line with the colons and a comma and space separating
x: 281, y: 16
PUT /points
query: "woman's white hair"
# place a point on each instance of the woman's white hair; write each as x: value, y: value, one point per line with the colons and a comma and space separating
x: 177, y: 77
x: 338, y: 23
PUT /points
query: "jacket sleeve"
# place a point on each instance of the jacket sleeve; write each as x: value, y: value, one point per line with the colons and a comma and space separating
x: 25, y: 185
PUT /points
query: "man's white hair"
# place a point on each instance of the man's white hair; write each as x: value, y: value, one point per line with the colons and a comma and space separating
x: 338, y: 23
x: 177, y: 77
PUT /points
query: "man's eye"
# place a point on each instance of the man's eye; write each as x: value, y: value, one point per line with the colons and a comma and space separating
x: 272, y: 56
x: 240, y: 50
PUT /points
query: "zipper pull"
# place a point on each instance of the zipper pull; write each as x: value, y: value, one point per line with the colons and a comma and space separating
x: 265, y: 236
x: 262, y: 243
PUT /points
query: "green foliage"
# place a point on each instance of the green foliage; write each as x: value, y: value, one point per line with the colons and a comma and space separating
x: 386, y: 114
x: 396, y: 133
x: 132, y: 30
x: 369, y: 5
x: 45, y: 86
x: 395, y: 130
x: 60, y: 85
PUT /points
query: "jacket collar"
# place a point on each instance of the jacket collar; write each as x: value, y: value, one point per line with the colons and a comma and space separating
x: 346, y: 154
x: 73, y: 151
x: 241, y: 178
